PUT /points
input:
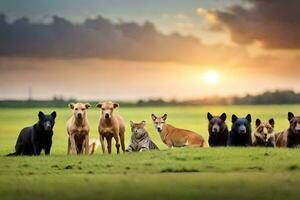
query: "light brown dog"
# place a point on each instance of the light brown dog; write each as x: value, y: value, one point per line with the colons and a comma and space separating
x: 175, y: 137
x: 78, y: 129
x: 264, y: 134
x: 111, y: 127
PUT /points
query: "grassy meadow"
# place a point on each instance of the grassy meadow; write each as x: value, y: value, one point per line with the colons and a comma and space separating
x: 185, y: 173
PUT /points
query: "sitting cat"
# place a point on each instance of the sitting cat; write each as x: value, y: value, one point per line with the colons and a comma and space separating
x: 140, y: 140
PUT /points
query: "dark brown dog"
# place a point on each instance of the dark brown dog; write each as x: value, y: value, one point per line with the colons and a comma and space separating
x: 217, y: 129
x: 291, y: 137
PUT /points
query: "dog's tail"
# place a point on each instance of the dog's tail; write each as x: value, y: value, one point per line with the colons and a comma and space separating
x: 94, y: 144
x: 12, y: 154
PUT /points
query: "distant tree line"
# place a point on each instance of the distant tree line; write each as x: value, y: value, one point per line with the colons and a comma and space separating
x: 275, y: 97
x: 269, y: 97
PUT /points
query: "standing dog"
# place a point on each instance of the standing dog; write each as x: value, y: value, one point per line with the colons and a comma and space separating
x: 175, y: 137
x: 290, y: 137
x: 217, y: 129
x: 111, y: 127
x: 78, y: 129
x: 240, y: 134
x: 264, y: 135
x: 140, y: 139
x: 32, y: 140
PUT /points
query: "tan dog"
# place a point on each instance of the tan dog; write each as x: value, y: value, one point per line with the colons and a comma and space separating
x: 174, y: 137
x: 78, y: 129
x: 111, y: 127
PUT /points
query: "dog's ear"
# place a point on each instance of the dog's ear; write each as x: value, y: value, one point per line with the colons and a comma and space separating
x: 153, y: 117
x: 116, y: 105
x: 87, y: 105
x: 272, y: 122
x: 131, y: 123
x: 234, y: 118
x: 53, y: 114
x: 290, y: 116
x: 257, y: 122
x: 71, y: 105
x: 223, y: 117
x: 41, y: 115
x: 248, y: 117
x: 209, y: 116
x: 99, y: 105
x: 165, y: 117
x: 143, y: 123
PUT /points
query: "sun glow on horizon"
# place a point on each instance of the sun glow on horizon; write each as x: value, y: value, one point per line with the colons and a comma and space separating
x: 211, y: 77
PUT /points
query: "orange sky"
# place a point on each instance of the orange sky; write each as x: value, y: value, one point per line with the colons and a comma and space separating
x: 163, y: 52
x: 131, y: 80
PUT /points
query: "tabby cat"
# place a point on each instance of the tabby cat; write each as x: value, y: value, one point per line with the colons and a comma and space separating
x: 140, y: 140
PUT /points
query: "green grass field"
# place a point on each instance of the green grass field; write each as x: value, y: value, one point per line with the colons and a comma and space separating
x: 235, y: 173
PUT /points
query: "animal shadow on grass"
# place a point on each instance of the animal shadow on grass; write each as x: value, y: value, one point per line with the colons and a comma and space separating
x: 180, y: 158
x: 198, y: 158
x: 69, y: 167
x: 256, y: 168
x: 293, y: 167
x: 182, y: 170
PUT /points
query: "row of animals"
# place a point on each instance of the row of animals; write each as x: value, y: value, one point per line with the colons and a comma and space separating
x: 32, y: 140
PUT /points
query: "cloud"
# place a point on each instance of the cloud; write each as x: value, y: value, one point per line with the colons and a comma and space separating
x: 272, y: 23
x: 181, y: 16
x: 207, y: 14
x: 185, y: 26
x: 100, y: 38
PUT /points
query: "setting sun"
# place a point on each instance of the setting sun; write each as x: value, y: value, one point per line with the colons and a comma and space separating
x: 211, y: 77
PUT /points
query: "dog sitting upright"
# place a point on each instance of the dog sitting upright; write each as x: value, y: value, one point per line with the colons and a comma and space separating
x: 264, y: 135
x: 291, y: 137
x: 140, y: 139
x: 78, y: 129
x: 32, y: 140
x: 175, y: 137
x: 217, y: 129
x: 240, y: 134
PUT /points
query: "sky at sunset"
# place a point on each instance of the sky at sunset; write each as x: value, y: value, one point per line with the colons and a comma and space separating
x: 139, y: 49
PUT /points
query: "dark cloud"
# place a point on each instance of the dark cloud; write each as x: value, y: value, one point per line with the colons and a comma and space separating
x: 274, y: 23
x: 100, y: 38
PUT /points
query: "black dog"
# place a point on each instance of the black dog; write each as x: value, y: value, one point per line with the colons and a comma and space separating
x: 240, y: 134
x: 217, y: 129
x: 32, y: 140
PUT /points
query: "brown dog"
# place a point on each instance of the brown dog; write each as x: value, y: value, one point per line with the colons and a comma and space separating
x: 111, y: 127
x: 78, y: 129
x: 264, y: 134
x: 174, y: 137
x: 291, y: 137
